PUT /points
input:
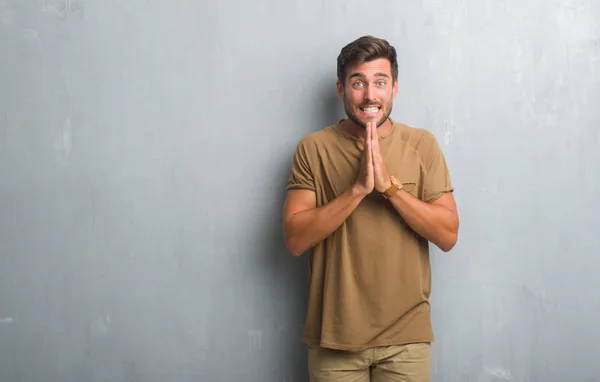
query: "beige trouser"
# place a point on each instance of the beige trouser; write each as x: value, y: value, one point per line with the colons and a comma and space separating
x: 406, y: 363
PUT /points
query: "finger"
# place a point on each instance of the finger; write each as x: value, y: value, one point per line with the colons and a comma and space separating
x: 366, y: 140
x: 369, y: 144
x: 369, y: 158
x: 368, y: 136
x: 374, y: 140
x: 373, y: 130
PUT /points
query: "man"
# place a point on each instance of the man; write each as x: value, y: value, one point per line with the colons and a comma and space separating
x: 366, y: 195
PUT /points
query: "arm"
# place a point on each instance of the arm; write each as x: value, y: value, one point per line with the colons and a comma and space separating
x: 305, y: 225
x: 436, y: 221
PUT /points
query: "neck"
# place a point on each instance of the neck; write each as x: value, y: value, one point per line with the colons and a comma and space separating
x: 358, y: 131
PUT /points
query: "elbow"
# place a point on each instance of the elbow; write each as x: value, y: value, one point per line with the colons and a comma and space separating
x: 293, y: 247
x: 296, y: 251
x: 446, y: 247
x: 450, y: 238
x: 449, y: 242
x: 293, y: 241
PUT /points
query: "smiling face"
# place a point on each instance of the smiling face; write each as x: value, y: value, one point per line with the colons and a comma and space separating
x: 368, y: 92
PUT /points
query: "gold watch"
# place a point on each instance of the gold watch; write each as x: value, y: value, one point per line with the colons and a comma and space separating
x: 395, y: 187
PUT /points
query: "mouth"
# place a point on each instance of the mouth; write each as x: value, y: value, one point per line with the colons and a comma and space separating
x: 370, y: 111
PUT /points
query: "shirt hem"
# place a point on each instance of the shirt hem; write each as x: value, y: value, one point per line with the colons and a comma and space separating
x: 297, y: 186
x: 348, y: 347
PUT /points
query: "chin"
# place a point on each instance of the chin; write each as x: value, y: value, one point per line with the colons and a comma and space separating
x: 363, y: 123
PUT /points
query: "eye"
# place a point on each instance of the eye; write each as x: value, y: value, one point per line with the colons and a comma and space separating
x: 381, y: 83
x: 358, y: 83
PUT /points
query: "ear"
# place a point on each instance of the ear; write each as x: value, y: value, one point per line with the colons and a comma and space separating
x: 395, y: 89
x: 340, y: 89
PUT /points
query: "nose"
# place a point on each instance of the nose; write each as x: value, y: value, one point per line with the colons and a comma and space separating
x: 369, y: 94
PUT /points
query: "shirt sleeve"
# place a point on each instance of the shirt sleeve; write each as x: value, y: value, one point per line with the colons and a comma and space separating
x: 301, y: 175
x: 437, y: 176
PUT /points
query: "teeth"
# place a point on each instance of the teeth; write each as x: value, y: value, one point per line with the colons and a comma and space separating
x: 371, y: 110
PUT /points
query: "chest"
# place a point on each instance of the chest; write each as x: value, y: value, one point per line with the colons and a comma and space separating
x: 338, y: 168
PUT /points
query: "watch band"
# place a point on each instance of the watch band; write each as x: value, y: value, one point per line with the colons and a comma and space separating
x: 394, y: 187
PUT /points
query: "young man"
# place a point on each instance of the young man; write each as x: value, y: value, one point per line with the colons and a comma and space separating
x: 365, y: 196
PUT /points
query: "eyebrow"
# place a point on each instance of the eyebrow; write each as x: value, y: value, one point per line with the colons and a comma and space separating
x: 362, y: 75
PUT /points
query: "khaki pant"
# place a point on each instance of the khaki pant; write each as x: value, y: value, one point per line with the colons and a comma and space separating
x: 405, y: 363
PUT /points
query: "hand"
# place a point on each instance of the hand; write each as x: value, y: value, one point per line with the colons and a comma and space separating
x: 366, y: 181
x: 382, y: 178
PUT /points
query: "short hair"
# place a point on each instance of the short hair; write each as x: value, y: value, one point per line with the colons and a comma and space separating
x: 365, y: 49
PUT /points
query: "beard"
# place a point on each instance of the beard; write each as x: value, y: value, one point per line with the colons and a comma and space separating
x: 353, y: 116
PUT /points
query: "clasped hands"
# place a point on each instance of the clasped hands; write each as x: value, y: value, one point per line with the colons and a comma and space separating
x: 372, y: 174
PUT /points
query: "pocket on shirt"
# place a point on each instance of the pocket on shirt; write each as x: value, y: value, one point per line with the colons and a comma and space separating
x: 411, y: 187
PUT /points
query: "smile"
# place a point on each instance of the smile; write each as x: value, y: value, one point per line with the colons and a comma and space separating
x: 370, y: 110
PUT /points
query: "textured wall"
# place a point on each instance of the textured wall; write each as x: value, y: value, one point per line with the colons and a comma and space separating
x: 144, y: 149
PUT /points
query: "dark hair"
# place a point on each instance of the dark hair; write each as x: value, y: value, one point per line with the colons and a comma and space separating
x: 365, y: 49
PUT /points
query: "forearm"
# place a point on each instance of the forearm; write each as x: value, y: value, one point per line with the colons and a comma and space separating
x: 435, y: 223
x: 305, y: 229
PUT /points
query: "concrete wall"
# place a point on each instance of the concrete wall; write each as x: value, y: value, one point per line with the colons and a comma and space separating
x: 144, y: 150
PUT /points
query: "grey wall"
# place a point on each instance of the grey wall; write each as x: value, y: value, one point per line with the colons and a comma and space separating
x: 144, y: 149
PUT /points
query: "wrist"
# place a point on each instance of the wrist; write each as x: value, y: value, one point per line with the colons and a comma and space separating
x: 385, y: 186
x: 357, y: 191
x: 392, y: 188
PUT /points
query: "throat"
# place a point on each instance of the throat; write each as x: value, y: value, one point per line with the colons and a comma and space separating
x: 358, y: 131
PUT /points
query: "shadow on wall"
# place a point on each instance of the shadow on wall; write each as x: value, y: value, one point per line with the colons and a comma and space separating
x: 333, y: 106
x: 290, y: 273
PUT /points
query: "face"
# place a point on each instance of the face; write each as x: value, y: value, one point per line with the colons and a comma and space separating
x: 368, y: 92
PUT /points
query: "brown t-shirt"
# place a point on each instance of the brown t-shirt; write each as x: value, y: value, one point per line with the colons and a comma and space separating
x: 370, y: 280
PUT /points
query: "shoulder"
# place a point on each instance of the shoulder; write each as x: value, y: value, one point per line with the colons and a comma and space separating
x: 419, y: 139
x: 316, y: 140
